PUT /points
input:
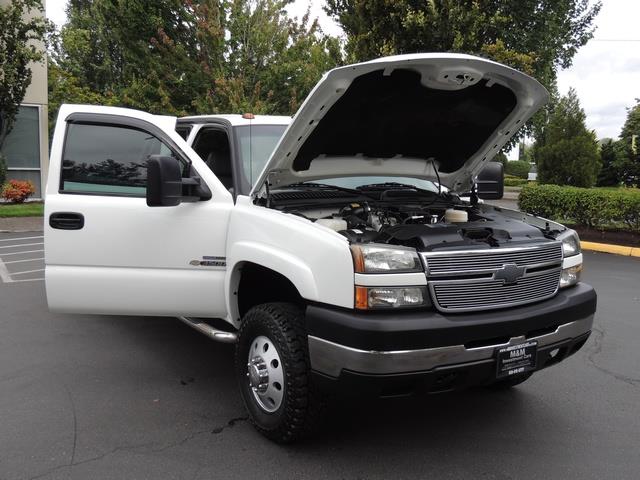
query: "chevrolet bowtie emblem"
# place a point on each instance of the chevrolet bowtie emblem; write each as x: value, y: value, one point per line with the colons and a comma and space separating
x: 509, y: 273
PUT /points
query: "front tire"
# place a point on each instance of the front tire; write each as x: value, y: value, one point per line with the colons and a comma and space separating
x: 273, y: 372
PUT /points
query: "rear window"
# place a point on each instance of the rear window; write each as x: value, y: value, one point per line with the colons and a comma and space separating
x: 106, y: 159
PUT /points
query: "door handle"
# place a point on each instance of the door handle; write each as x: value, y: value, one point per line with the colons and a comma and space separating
x: 66, y: 220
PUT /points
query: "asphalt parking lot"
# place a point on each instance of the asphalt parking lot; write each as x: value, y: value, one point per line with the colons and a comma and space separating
x: 91, y: 397
x: 21, y: 257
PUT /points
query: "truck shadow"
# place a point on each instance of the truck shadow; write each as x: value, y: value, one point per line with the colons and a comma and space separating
x: 425, y: 419
x: 188, y: 360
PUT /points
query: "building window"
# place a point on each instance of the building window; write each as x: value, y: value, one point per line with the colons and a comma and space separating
x: 21, y: 148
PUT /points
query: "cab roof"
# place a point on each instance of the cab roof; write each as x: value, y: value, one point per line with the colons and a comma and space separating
x: 237, y: 119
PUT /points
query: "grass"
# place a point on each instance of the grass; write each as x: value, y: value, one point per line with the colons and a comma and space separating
x: 31, y: 209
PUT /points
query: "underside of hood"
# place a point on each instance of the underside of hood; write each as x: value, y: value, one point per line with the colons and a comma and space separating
x: 424, y: 116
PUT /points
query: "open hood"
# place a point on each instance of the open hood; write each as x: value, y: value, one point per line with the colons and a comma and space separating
x: 424, y: 116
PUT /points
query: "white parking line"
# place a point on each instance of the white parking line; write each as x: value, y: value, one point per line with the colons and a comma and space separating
x: 20, y: 253
x: 23, y: 238
x: 28, y: 280
x: 22, y: 261
x: 27, y: 271
x: 4, y: 273
x: 34, y: 245
x: 22, y: 245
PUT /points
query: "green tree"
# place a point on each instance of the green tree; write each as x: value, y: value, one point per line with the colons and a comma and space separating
x: 64, y: 87
x: 22, y: 30
x: 272, y: 61
x: 567, y: 152
x: 537, y: 37
x: 610, y: 158
x: 181, y: 58
x: 518, y: 168
x: 525, y: 152
x: 148, y: 55
x: 629, y: 162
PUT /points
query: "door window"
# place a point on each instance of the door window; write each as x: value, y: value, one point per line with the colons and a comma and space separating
x: 107, y: 159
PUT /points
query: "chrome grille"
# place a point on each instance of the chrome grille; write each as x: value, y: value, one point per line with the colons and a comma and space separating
x: 441, y: 263
x: 466, y: 281
x: 494, y: 294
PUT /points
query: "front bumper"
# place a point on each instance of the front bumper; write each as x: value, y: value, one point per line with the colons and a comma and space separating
x: 331, y: 358
x: 346, y: 344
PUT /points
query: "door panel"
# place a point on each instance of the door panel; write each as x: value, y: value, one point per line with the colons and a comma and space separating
x: 128, y: 258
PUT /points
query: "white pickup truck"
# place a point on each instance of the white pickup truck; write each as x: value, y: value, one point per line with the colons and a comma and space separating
x: 354, y: 258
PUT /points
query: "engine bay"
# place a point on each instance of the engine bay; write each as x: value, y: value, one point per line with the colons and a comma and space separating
x: 443, y: 221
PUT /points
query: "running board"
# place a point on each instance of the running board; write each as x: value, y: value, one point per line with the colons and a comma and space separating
x: 211, y: 332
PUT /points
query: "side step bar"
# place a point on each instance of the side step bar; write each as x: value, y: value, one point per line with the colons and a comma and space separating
x: 211, y: 332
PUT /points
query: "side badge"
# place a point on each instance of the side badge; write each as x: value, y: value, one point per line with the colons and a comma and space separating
x: 208, y: 261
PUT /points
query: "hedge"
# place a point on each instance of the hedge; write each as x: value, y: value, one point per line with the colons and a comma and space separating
x: 511, y: 181
x: 598, y: 208
x: 517, y: 168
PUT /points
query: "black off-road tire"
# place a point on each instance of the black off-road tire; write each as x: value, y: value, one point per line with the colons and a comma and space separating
x: 283, y: 325
x: 509, y: 382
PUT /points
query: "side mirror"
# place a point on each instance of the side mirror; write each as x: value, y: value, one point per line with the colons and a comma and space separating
x: 490, y: 182
x: 164, y: 181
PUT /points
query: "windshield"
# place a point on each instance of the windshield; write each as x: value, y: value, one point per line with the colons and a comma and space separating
x: 355, y: 182
x: 255, y: 145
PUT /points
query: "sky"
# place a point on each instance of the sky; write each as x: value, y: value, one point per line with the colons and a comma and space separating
x: 605, y: 72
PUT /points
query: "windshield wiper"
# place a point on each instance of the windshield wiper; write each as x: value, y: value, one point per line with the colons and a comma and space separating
x: 396, y: 186
x: 326, y: 186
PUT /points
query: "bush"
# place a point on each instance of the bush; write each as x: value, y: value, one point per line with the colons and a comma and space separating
x: 597, y: 208
x: 17, y: 191
x: 518, y: 169
x: 511, y: 181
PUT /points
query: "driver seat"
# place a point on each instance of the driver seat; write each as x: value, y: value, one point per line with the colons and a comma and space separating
x: 220, y: 164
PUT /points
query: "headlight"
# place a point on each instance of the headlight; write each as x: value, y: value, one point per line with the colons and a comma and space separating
x: 570, y: 243
x: 390, y: 297
x: 570, y: 248
x: 570, y: 276
x: 375, y: 258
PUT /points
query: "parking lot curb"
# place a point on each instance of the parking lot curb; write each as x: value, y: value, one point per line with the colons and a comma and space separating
x: 608, y: 248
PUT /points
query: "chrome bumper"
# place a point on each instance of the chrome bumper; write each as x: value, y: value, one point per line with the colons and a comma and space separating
x: 331, y: 358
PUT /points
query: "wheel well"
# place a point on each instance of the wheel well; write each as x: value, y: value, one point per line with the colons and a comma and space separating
x: 263, y: 285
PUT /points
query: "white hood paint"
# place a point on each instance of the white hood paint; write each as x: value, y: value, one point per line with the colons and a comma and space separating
x: 438, y: 74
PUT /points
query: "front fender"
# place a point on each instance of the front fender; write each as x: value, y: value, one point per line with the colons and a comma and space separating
x: 284, y: 263
x: 316, y: 260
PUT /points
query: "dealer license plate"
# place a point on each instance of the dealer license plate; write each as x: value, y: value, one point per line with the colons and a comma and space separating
x: 516, y: 359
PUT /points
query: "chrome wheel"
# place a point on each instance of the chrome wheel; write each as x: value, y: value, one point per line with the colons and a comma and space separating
x: 265, y: 374
x: 272, y: 368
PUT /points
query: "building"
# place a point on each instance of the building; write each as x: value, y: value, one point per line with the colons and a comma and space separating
x: 26, y: 148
